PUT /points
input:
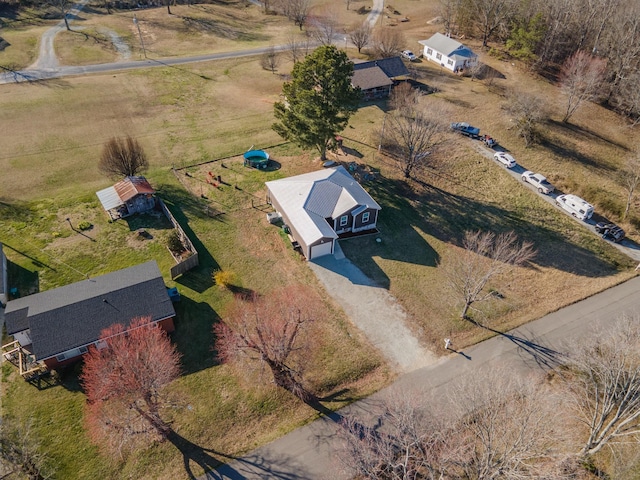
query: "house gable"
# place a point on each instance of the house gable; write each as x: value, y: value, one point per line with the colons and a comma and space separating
x: 449, y: 53
x: 313, y: 204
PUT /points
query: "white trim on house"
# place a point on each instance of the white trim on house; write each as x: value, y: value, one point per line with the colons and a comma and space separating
x: 318, y: 205
x: 448, y: 53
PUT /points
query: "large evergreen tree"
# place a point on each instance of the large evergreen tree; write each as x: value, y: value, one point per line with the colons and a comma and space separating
x: 318, y: 100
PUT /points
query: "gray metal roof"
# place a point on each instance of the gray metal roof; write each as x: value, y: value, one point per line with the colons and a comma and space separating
x: 447, y: 46
x: 109, y: 198
x: 310, y: 198
x: 74, y: 315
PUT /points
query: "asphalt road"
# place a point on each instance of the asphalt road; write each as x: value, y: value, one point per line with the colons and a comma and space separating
x: 309, y: 452
x: 47, y: 66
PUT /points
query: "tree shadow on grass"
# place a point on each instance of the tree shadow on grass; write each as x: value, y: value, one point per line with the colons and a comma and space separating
x: 409, y: 213
x: 194, y: 336
x: 569, y: 152
x: 183, y: 206
x: 582, y: 131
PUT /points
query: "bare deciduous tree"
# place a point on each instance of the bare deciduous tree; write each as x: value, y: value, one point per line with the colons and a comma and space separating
x: 485, y: 256
x: 20, y: 453
x: 360, y: 35
x: 582, y: 75
x: 630, y: 179
x: 528, y: 112
x: 603, y: 382
x: 414, y: 128
x: 273, y: 330
x: 270, y: 59
x: 388, y: 42
x: 124, y: 381
x: 490, y: 15
x: 298, y: 48
x: 507, y: 428
x: 324, y: 26
x: 63, y: 6
x: 295, y: 10
x: 122, y: 158
x: 404, y: 444
x: 449, y: 11
x: 494, y: 426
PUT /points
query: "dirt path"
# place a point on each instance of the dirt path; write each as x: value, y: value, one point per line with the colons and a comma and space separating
x: 373, y: 310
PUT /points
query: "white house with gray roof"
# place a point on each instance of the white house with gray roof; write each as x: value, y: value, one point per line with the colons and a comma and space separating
x: 322, y: 206
x: 448, y: 53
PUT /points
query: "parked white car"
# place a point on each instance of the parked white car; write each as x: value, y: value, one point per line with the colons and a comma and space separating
x: 576, y: 206
x: 409, y: 55
x: 505, y: 159
x: 538, y: 181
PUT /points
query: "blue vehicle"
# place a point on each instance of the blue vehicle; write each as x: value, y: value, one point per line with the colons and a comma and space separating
x: 465, y: 129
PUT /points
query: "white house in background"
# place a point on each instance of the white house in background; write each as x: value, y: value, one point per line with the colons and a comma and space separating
x: 322, y: 206
x: 448, y: 53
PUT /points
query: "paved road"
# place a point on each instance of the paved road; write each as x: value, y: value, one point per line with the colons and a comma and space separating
x: 47, y: 66
x: 309, y: 452
x: 627, y: 246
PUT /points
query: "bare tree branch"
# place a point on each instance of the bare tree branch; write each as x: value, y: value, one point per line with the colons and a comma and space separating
x: 485, y: 256
x: 603, y: 383
x: 273, y: 331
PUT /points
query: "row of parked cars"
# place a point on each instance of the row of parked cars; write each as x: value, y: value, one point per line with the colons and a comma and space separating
x: 573, y: 204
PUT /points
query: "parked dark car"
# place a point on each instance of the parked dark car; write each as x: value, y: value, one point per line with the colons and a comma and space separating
x: 610, y: 231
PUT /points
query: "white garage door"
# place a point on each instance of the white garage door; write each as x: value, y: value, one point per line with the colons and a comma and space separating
x: 321, y: 250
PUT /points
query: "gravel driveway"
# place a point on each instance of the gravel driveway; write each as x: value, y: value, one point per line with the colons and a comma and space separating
x: 373, y: 310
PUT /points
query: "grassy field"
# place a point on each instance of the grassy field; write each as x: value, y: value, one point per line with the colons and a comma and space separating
x: 183, y: 116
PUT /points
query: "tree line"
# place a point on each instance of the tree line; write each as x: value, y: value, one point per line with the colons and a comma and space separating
x: 545, y: 34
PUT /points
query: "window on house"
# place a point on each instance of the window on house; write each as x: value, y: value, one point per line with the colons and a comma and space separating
x: 61, y: 357
x: 344, y: 220
x: 450, y: 62
x: 438, y: 56
x: 83, y: 349
x: 429, y: 51
x: 365, y: 217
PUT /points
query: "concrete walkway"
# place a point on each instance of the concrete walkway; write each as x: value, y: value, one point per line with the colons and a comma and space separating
x: 310, y: 452
x: 373, y: 310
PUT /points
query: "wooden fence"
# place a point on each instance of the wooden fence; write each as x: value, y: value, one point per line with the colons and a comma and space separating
x: 192, y: 261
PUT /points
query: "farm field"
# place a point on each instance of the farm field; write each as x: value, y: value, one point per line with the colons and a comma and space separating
x: 196, y: 118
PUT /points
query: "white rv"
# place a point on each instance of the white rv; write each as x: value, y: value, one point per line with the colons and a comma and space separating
x: 576, y: 206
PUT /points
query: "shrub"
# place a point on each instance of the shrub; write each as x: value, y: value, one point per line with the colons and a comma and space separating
x: 224, y: 278
x: 174, y: 242
x: 85, y: 226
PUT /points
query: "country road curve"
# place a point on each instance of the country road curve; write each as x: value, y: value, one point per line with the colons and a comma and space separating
x: 309, y: 452
x: 47, y: 59
x: 47, y: 65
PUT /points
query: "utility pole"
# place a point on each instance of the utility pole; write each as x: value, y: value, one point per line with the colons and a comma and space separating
x: 135, y: 22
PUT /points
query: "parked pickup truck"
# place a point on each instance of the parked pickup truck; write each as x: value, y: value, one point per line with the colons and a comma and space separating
x: 465, y: 129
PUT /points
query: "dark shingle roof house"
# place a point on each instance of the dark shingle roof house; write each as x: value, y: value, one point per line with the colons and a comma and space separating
x: 60, y: 324
x: 375, y: 78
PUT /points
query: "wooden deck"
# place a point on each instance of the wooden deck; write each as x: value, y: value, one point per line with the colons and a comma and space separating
x: 27, y: 365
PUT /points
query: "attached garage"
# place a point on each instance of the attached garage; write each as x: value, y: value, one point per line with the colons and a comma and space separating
x: 321, y: 250
x: 318, y: 207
